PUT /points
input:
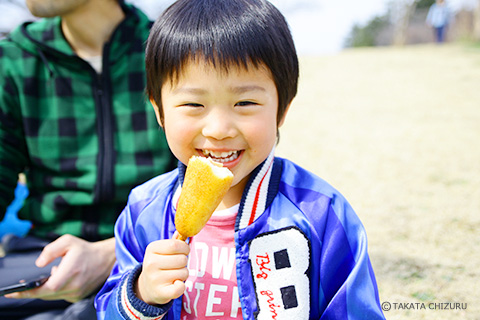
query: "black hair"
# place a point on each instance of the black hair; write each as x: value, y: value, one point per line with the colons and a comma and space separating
x: 222, y: 32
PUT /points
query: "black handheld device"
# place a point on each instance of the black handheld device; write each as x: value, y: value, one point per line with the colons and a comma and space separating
x: 24, y: 285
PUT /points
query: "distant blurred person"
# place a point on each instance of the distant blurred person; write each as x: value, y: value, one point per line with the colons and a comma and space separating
x: 74, y: 117
x: 438, y: 18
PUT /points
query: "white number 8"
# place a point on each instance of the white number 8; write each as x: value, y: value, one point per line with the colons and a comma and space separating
x: 280, y: 261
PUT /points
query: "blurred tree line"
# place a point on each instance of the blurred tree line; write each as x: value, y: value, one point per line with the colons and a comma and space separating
x: 404, y: 23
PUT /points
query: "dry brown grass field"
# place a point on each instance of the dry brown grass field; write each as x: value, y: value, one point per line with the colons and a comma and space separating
x: 397, y: 131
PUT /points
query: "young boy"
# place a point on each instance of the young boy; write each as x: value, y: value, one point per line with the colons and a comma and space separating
x: 282, y: 244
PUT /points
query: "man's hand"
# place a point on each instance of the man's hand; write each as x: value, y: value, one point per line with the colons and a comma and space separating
x: 164, y: 271
x: 84, y: 267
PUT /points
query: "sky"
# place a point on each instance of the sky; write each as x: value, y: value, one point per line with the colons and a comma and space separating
x: 323, y: 26
x: 318, y: 27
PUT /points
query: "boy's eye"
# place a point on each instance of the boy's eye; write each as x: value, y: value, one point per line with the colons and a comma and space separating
x: 245, y: 103
x: 193, y: 105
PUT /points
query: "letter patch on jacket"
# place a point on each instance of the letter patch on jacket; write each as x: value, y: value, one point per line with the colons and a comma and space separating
x: 280, y: 261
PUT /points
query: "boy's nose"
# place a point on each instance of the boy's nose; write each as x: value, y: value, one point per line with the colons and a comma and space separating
x: 219, y: 125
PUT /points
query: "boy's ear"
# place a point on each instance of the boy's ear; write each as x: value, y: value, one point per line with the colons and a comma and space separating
x: 157, y: 112
x: 282, y: 120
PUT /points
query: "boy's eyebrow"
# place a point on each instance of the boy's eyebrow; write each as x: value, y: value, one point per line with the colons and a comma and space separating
x: 195, y: 91
x: 237, y: 90
x: 243, y: 89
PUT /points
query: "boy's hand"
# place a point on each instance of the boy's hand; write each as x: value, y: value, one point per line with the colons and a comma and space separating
x: 164, y: 272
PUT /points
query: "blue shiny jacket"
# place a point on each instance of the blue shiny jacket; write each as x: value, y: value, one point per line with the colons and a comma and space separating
x: 301, y: 251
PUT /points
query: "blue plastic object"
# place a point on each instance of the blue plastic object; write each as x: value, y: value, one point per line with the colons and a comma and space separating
x: 11, y: 223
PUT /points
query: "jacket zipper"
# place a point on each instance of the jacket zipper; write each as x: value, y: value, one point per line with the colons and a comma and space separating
x: 104, y: 190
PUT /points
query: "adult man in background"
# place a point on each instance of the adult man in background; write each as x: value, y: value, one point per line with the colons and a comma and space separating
x: 74, y: 118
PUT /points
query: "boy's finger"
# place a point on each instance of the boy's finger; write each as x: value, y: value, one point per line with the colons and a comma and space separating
x: 168, y: 247
x: 170, y: 262
x: 174, y: 290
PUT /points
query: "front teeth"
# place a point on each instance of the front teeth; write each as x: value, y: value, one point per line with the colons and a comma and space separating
x: 221, y: 156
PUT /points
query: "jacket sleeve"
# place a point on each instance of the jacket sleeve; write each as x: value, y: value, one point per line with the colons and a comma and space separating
x: 347, y: 278
x: 117, y: 300
x: 13, y: 154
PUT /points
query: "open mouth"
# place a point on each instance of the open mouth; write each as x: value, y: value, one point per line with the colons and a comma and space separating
x: 222, y: 157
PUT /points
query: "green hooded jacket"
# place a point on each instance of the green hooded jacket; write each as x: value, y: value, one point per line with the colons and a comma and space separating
x: 84, y: 140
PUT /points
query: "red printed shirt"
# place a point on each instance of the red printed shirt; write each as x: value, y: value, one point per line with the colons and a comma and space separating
x: 211, y: 288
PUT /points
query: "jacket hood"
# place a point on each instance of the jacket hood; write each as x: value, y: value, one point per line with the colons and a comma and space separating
x: 45, y: 37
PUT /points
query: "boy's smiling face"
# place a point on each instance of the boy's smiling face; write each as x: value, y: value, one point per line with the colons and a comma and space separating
x: 228, y: 116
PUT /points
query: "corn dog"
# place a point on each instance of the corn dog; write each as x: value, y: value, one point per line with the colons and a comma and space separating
x: 206, y: 183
